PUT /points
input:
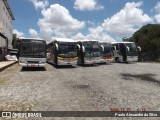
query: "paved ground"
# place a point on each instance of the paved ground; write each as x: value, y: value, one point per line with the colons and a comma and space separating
x: 5, y: 64
x: 89, y: 88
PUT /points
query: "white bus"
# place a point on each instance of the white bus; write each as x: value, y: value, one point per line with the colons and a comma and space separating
x: 32, y: 52
x: 88, y: 52
x: 62, y: 51
x: 125, y: 51
x: 106, y: 51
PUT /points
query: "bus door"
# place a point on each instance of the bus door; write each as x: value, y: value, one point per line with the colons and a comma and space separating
x: 123, y: 50
x: 80, y: 53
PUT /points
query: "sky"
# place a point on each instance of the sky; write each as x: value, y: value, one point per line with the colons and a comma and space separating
x: 104, y: 20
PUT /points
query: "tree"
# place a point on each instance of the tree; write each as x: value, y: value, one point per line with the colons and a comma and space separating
x: 148, y: 38
x: 14, y: 41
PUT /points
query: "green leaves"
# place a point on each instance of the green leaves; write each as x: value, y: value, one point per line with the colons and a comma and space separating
x: 148, y: 38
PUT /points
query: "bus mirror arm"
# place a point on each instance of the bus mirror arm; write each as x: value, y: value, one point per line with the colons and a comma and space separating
x: 114, y: 48
x: 138, y: 48
x: 79, y: 47
x: 83, y: 48
x: 127, y: 48
x: 102, y: 48
x: 56, y: 46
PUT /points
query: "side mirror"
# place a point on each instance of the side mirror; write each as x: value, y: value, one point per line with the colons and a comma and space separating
x: 56, y: 46
x: 138, y: 48
x: 83, y: 48
x: 79, y: 47
x: 127, y: 48
x: 48, y: 54
x: 113, y: 47
x: 102, y: 48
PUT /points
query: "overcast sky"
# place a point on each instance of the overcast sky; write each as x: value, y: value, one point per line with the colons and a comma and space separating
x: 107, y: 20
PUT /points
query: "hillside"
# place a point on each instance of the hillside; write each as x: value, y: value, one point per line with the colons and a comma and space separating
x: 148, y: 38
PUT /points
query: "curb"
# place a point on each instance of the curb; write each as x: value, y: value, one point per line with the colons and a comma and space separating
x: 3, y: 68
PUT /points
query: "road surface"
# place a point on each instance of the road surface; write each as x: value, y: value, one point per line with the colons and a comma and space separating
x: 89, y: 88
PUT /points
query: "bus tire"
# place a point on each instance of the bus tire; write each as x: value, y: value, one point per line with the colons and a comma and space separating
x: 55, y: 62
x: 117, y: 59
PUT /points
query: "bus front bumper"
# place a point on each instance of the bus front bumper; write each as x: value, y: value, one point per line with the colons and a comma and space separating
x: 107, y: 60
x: 132, y: 58
x: 65, y: 62
x: 88, y: 62
x: 32, y: 65
x: 98, y: 61
x: 93, y: 61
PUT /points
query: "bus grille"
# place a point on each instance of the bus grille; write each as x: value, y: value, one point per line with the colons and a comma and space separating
x: 32, y: 61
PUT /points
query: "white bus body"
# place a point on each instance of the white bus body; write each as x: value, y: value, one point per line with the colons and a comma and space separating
x: 106, y: 51
x: 62, y: 51
x: 32, y: 52
x: 88, y: 52
x: 125, y: 51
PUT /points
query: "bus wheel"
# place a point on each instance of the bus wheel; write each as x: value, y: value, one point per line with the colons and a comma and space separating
x: 117, y: 59
x: 55, y: 62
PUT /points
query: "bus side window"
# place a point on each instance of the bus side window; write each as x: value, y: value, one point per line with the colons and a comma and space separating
x: 78, y: 49
x: 122, y: 47
x: 113, y: 48
x: 117, y: 47
x: 53, y: 50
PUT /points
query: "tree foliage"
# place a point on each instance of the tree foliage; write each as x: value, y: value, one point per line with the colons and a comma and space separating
x: 148, y: 38
x: 14, y: 41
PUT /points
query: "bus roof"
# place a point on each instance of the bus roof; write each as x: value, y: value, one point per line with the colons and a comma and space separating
x: 86, y: 40
x: 22, y: 38
x: 62, y: 40
x: 121, y: 42
x: 103, y: 42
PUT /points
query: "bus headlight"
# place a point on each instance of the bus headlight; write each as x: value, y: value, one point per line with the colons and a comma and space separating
x: 60, y: 58
x: 75, y: 58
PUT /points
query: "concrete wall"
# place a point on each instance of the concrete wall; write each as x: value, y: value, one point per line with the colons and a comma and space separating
x: 3, y: 48
x: 1, y: 8
x: 5, y: 22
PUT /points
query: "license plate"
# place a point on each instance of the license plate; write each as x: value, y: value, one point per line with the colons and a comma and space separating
x: 33, y: 65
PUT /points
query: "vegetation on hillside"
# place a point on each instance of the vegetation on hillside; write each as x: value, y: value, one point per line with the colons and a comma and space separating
x: 148, y: 38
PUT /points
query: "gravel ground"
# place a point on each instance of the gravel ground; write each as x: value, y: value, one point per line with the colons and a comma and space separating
x: 89, y: 88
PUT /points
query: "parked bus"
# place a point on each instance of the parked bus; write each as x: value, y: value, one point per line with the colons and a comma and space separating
x: 125, y: 51
x: 106, y: 51
x: 88, y: 52
x: 32, y: 52
x: 62, y: 51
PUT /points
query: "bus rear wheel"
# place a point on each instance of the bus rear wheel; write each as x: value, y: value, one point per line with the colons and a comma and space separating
x: 55, y: 61
x: 117, y: 59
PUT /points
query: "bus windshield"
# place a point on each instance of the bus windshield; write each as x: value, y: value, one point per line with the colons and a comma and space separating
x: 67, y: 49
x: 132, y: 49
x: 31, y: 49
x: 107, y: 48
x: 91, y: 49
